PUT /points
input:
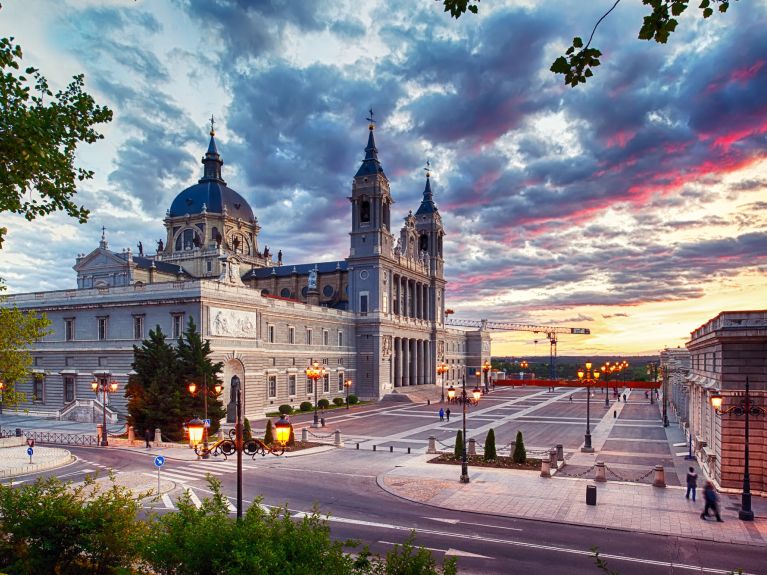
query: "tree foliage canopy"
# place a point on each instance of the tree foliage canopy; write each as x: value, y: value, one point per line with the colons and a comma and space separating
x: 579, y: 59
x: 39, y: 135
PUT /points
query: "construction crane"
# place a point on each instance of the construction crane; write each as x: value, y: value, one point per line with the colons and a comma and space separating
x: 550, y: 331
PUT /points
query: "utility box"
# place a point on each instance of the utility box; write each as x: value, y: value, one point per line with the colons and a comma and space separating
x: 591, y: 495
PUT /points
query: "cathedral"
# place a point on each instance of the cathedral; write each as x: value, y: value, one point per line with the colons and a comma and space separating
x: 376, y: 317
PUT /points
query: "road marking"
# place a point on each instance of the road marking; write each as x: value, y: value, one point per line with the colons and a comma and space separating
x: 491, y: 526
x: 681, y: 453
x: 231, y: 506
x: 168, y: 503
x: 194, y: 498
x: 459, y: 553
x: 444, y: 520
x: 683, y: 444
x: 75, y: 473
x: 174, y: 475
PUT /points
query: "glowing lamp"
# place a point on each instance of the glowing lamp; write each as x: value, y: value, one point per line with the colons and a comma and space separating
x: 477, y: 393
x: 192, y: 388
x: 95, y: 385
x: 282, y: 430
x: 580, y: 374
x: 451, y: 392
x: 596, y: 375
x: 716, y: 401
x: 588, y: 365
x: 113, y: 386
x: 196, y: 427
x: 217, y: 388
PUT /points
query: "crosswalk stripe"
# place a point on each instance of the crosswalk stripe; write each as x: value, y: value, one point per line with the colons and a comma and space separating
x: 168, y: 503
x: 194, y: 498
x: 193, y: 471
x: 179, y: 476
x: 232, y: 508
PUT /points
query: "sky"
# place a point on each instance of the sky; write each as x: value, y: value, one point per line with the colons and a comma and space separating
x: 634, y: 205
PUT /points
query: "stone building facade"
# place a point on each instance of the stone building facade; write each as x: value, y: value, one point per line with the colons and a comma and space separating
x: 376, y: 316
x: 724, y: 352
x: 675, y: 368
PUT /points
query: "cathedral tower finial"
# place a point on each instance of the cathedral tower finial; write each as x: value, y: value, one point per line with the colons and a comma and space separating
x: 212, y: 160
x: 212, y: 124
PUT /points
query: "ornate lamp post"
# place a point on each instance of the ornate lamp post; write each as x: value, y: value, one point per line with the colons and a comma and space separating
x: 104, y: 387
x: 476, y: 394
x: 192, y: 387
x: 347, y: 385
x: 652, y: 372
x: 664, y: 383
x: 442, y: 370
x: 314, y: 372
x: 588, y: 376
x: 523, y: 366
x: 486, y: 370
x: 748, y: 409
x: 196, y: 429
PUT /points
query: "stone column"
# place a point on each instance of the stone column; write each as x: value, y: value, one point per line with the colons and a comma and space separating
x: 396, y: 361
x: 405, y: 362
x: 416, y: 361
x: 411, y: 365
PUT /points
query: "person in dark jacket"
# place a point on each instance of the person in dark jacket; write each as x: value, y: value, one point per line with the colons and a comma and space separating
x: 147, y: 437
x: 692, y: 483
x: 712, y: 501
x: 441, y: 414
x: 447, y: 413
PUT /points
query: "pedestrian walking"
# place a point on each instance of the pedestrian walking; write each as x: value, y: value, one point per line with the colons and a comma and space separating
x: 441, y: 414
x: 692, y: 483
x: 624, y: 398
x: 571, y: 398
x: 147, y: 437
x: 712, y: 502
x: 447, y: 413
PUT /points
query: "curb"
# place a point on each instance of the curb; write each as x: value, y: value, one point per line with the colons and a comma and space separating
x: 35, y: 467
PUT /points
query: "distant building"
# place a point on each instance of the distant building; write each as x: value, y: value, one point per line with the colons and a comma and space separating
x: 376, y: 317
x: 675, y: 366
x: 724, y: 352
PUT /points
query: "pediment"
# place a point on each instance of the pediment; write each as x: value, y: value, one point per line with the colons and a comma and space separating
x: 99, y: 259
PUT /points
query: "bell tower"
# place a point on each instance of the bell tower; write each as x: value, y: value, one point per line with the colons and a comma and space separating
x: 428, y: 224
x: 371, y: 205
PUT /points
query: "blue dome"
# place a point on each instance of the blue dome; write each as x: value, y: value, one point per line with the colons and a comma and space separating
x: 215, y: 195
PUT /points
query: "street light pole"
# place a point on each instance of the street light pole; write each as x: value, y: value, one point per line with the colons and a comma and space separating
x: 314, y: 372
x: 745, y: 408
x: 588, y: 376
x: 104, y: 387
x: 347, y: 385
x: 486, y: 370
x: 238, y: 445
x: 441, y: 370
x: 664, y: 383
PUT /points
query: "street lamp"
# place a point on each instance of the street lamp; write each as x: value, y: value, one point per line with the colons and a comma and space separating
x: 314, y: 372
x: 104, y: 387
x: 196, y: 429
x: 486, y: 370
x: 347, y: 385
x: 664, y: 383
x: 745, y: 408
x: 588, y: 376
x: 193, y: 390
x: 652, y: 372
x: 442, y: 370
x: 476, y: 394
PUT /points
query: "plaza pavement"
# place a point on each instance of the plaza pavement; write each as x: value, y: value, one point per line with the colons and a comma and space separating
x: 628, y: 436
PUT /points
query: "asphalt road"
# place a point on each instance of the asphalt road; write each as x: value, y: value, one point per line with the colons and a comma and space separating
x: 343, y: 484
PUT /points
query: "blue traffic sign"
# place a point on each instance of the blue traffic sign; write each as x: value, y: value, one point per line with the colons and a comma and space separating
x: 30, y: 451
x: 206, y: 422
x: 159, y: 461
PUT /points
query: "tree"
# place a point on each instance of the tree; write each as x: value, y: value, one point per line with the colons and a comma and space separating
x: 268, y: 433
x: 458, y: 450
x: 18, y: 329
x: 519, y: 455
x: 579, y: 59
x: 196, y: 366
x: 156, y: 392
x: 490, y: 446
x: 39, y: 135
x: 247, y: 430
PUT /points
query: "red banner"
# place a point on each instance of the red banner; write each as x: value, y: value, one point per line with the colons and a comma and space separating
x: 576, y: 383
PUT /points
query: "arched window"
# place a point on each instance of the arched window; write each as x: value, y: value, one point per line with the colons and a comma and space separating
x: 185, y: 240
x: 365, y: 211
x: 285, y: 292
x: 423, y: 243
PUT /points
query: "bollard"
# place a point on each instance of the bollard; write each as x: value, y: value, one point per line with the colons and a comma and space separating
x: 374, y: 448
x: 358, y: 446
x: 591, y: 495
x: 391, y: 449
x: 337, y: 439
x: 322, y: 421
x: 432, y: 445
x: 428, y: 402
x: 659, y: 477
x: 553, y: 458
x: 305, y: 435
x: 472, y: 446
x: 545, y: 468
x: 408, y: 451
x: 615, y: 414
x: 601, y: 476
x: 157, y: 436
x: 560, y: 452
x: 131, y: 434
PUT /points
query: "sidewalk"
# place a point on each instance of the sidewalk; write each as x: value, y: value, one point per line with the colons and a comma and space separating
x: 526, y: 495
x: 14, y: 460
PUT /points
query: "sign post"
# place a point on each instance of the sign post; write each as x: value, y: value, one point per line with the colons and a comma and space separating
x: 30, y: 451
x: 159, y: 461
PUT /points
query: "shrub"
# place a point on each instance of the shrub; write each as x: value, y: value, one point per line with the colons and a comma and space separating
x: 458, y: 452
x: 519, y: 455
x: 247, y: 431
x: 353, y: 399
x: 305, y: 406
x: 323, y: 403
x: 285, y: 409
x: 490, y: 446
x: 339, y: 401
x: 291, y: 438
x: 269, y: 433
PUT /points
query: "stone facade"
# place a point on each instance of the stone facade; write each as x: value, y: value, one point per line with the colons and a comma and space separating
x: 376, y: 317
x: 724, y: 352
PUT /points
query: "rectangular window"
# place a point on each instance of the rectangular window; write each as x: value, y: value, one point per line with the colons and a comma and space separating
x: 177, y: 321
x: 210, y: 266
x: 38, y: 387
x: 69, y: 329
x: 308, y: 336
x: 270, y: 333
x: 103, y: 325
x: 326, y: 383
x: 364, y: 303
x: 272, y: 386
x: 340, y: 338
x: 69, y: 389
x: 291, y: 334
x: 291, y: 385
x: 325, y: 337
x: 138, y: 327
x: 340, y: 382
x: 309, y: 386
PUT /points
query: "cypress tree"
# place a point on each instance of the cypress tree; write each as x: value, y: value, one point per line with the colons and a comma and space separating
x: 291, y: 438
x: 247, y: 431
x: 520, y: 455
x: 459, y: 445
x: 490, y: 446
x: 268, y: 434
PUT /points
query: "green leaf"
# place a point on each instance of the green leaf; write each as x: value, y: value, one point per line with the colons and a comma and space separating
x: 577, y: 42
x: 704, y: 4
x: 707, y: 12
